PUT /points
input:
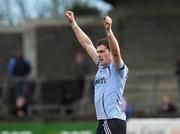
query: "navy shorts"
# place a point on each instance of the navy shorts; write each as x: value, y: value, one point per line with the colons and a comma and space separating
x: 111, y: 126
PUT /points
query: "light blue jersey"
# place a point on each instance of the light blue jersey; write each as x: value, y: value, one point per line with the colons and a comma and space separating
x: 109, y: 87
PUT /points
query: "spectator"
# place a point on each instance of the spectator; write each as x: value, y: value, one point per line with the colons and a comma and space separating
x: 81, y: 69
x: 127, y: 108
x: 19, y: 68
x: 177, y: 74
x: 167, y: 106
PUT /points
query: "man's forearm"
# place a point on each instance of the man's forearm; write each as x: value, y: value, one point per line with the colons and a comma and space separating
x: 83, y: 39
x: 115, y: 49
x: 114, y: 45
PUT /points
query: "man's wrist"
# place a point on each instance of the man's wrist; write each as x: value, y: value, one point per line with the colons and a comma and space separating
x: 74, y: 24
x: 109, y: 32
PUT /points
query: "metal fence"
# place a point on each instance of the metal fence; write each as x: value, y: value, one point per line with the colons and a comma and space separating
x: 52, y: 98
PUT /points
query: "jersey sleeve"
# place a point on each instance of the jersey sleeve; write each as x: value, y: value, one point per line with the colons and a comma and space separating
x: 122, y: 71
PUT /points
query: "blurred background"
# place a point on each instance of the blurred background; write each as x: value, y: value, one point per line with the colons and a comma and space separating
x: 46, y: 78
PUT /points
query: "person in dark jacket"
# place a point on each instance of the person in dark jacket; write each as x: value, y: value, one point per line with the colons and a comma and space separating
x: 81, y: 69
x: 167, y: 106
x: 19, y: 68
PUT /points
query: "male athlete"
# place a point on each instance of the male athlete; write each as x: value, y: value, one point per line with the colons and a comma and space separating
x: 110, y: 78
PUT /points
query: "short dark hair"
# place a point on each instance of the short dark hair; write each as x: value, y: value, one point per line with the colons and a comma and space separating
x: 103, y: 41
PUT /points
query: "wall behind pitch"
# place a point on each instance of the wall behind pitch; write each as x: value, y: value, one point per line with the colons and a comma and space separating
x: 57, y: 46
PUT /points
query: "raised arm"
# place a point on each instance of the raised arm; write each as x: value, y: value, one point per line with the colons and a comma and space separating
x: 83, y: 39
x: 113, y: 43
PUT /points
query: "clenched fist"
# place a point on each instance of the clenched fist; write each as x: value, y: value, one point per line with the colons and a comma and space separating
x: 70, y: 16
x: 107, y: 23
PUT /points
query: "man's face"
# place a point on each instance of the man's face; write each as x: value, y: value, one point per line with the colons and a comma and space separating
x: 104, y: 55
